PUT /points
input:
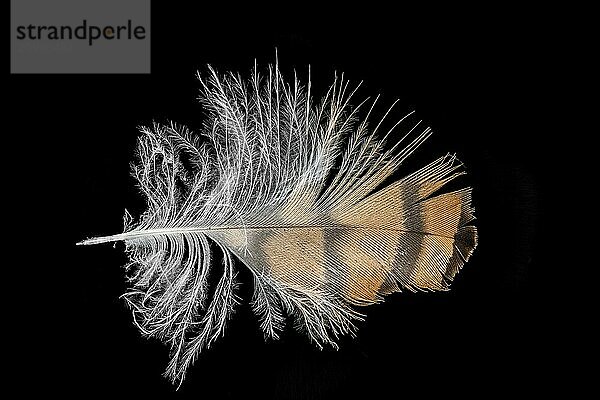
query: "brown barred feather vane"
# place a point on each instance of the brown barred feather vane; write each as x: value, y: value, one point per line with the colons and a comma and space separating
x: 296, y: 192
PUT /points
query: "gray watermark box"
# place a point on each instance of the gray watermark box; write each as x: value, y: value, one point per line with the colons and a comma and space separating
x: 80, y: 36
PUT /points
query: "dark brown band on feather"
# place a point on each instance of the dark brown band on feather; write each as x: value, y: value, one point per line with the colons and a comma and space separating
x: 410, y: 249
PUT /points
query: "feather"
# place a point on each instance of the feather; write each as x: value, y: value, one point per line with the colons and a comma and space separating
x: 296, y: 191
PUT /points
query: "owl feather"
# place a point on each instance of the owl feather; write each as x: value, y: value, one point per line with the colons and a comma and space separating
x: 299, y: 193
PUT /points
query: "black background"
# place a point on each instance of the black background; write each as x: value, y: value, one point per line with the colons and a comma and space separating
x: 471, y: 77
